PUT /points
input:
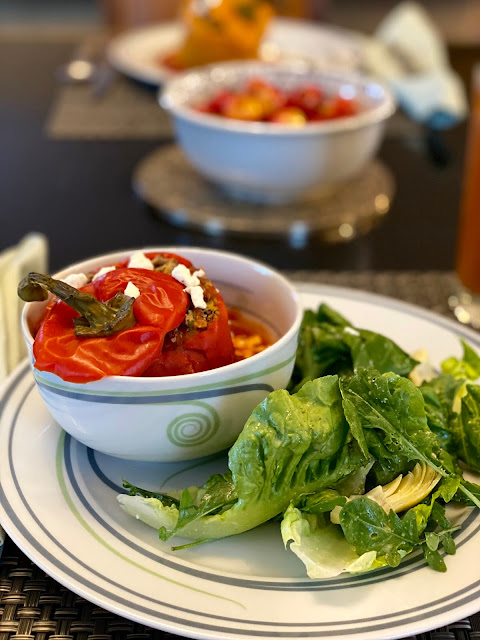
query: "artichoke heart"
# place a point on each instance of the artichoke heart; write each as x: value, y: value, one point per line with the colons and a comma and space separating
x: 424, y: 371
x: 402, y: 493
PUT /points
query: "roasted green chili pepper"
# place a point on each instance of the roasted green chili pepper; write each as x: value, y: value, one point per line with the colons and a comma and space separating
x: 97, y: 319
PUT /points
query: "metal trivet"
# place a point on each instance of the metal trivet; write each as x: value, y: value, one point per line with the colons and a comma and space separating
x: 167, y: 182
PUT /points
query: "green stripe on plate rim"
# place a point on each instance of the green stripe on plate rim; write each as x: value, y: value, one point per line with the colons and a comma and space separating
x: 64, y: 490
x: 205, y: 387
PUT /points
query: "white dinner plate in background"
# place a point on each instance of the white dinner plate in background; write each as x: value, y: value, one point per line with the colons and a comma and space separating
x: 138, y: 53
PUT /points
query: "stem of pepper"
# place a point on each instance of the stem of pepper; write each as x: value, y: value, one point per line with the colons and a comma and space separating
x: 97, y: 319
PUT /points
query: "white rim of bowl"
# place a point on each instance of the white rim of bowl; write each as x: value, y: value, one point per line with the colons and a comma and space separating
x: 373, y: 115
x: 187, y: 376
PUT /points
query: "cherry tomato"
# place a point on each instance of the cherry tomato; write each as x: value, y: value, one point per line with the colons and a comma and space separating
x: 308, y: 99
x: 217, y: 105
x: 327, y: 110
x: 345, y: 107
x: 271, y: 97
x: 293, y: 116
x: 243, y: 107
x: 260, y: 100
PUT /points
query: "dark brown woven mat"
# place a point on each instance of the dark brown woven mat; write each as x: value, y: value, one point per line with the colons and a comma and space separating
x: 33, y: 606
x: 430, y: 289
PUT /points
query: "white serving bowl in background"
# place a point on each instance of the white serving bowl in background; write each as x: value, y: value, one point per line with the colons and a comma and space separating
x: 166, y: 419
x: 267, y: 162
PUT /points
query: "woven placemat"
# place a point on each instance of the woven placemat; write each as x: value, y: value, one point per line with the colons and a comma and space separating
x: 430, y: 289
x: 120, y: 111
x: 33, y: 606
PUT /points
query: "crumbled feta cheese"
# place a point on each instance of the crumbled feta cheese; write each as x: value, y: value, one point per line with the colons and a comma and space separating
x: 139, y: 260
x: 192, y: 284
x: 183, y: 275
x: 351, y: 331
x: 196, y: 294
x: 131, y: 290
x: 76, y: 280
x: 102, y: 272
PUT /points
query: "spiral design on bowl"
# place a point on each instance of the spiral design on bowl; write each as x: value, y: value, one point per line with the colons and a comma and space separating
x: 191, y: 429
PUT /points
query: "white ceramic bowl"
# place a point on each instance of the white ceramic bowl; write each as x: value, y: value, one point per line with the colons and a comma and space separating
x: 266, y: 162
x: 175, y: 418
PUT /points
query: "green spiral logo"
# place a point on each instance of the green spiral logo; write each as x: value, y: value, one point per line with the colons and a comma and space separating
x: 192, y: 429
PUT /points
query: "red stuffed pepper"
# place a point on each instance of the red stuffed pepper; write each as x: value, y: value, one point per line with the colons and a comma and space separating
x: 152, y: 315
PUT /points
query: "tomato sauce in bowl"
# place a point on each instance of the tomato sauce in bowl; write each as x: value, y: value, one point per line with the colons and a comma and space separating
x: 249, y: 335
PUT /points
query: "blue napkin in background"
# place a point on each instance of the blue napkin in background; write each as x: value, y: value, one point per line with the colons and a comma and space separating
x: 408, y: 53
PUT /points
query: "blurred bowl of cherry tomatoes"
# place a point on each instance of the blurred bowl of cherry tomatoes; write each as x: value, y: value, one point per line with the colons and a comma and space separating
x: 270, y: 133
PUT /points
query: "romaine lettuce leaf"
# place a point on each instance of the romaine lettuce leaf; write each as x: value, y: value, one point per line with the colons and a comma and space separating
x: 329, y: 344
x: 321, y: 346
x: 373, y: 351
x: 322, y: 547
x: 291, y: 445
x: 321, y: 502
x: 151, y: 511
x: 355, y: 483
x: 468, y: 368
x: 453, y: 414
x: 216, y: 495
x: 466, y: 428
x: 439, y: 395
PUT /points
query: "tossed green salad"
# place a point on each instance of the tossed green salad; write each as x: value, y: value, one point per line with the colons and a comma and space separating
x: 357, y: 459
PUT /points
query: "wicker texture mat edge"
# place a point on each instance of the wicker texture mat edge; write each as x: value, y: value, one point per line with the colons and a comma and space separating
x: 429, y: 289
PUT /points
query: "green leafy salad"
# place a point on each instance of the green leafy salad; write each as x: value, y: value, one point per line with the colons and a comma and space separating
x: 356, y: 460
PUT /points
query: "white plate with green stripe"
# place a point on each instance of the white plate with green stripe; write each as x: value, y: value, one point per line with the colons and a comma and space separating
x: 58, y: 503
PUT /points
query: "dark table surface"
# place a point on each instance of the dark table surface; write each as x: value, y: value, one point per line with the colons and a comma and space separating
x: 79, y: 192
